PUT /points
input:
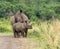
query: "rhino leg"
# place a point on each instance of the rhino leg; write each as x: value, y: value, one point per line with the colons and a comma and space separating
x: 22, y: 33
x: 15, y: 34
x: 18, y: 34
x: 26, y: 30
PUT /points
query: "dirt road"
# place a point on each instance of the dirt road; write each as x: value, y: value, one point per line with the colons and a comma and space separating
x: 9, y: 42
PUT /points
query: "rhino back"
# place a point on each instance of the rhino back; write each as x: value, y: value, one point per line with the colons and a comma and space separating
x: 18, y: 26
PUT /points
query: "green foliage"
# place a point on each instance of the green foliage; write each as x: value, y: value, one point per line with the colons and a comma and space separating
x: 5, y: 25
x: 43, y: 9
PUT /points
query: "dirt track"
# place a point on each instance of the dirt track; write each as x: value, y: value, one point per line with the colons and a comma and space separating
x: 9, y: 42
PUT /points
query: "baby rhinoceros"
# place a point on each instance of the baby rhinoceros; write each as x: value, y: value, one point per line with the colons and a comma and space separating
x: 20, y: 28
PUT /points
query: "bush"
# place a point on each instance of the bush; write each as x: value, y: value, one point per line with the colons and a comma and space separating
x: 42, y: 9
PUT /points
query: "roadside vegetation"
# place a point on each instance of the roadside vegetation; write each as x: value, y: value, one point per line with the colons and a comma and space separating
x: 44, y: 16
x: 45, y: 33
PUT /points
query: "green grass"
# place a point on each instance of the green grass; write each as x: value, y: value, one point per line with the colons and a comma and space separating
x: 45, y: 33
x: 5, y: 25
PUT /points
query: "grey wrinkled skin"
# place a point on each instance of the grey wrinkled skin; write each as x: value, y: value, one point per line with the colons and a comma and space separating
x: 12, y: 20
x: 19, y: 17
x: 21, y: 28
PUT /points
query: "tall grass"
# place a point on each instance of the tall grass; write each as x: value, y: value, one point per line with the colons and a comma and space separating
x: 47, y: 32
x: 5, y: 25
